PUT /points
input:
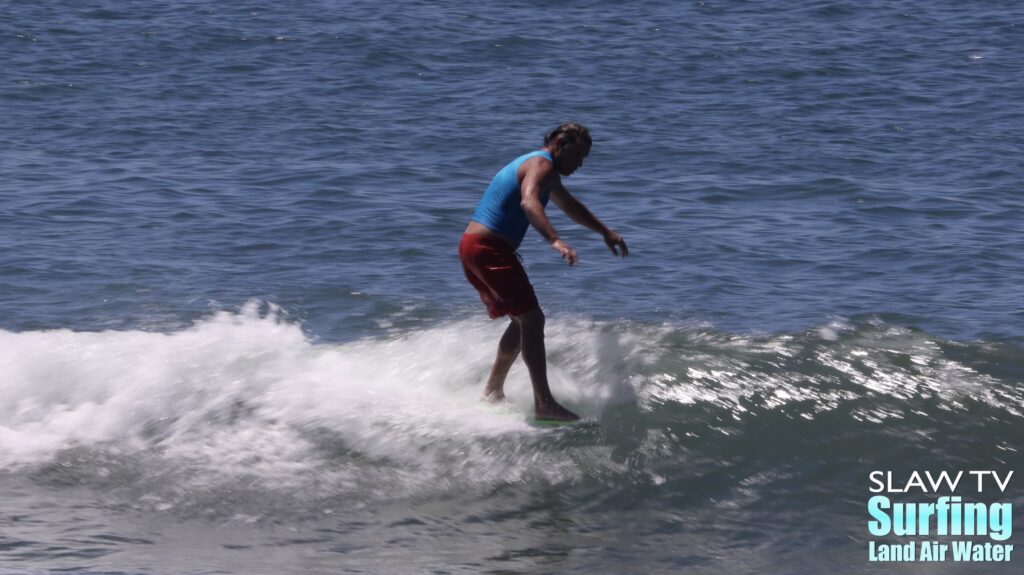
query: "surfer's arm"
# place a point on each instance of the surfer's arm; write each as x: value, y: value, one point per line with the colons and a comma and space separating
x: 536, y: 177
x: 583, y: 216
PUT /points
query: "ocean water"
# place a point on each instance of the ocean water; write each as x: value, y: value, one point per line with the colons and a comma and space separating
x: 235, y: 336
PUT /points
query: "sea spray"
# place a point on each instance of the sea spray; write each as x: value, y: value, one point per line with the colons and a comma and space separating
x: 249, y: 403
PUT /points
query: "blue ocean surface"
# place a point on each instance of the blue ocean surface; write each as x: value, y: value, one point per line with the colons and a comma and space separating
x: 235, y: 336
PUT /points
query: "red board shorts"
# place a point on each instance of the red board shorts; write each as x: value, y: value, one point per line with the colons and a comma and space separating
x: 493, y: 268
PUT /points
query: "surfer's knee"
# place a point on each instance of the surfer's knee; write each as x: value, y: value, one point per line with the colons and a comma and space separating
x: 510, y: 341
x: 531, y: 320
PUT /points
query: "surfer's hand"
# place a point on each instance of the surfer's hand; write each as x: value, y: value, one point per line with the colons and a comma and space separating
x: 568, y: 254
x: 614, y: 242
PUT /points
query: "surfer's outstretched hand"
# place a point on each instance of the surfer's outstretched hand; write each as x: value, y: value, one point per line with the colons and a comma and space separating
x: 568, y: 254
x: 615, y: 243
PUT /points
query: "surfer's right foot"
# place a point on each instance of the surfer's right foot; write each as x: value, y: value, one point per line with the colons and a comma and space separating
x: 494, y: 396
x: 554, y: 412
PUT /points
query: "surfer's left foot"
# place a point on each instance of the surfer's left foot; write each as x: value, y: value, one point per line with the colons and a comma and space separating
x: 554, y: 412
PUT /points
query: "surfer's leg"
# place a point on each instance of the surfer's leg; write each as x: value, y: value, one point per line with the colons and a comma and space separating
x: 508, y: 351
x: 531, y: 324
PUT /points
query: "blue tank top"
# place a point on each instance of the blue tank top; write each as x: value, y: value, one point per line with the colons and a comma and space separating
x: 499, y: 209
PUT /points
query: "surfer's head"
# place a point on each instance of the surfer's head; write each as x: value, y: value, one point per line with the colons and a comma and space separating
x: 568, y: 144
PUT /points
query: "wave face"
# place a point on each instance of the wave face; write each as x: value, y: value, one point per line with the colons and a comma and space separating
x: 714, y: 439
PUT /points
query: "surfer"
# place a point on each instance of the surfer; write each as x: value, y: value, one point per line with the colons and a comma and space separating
x: 514, y: 200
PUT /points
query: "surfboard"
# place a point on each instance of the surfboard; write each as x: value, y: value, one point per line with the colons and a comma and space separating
x: 554, y: 423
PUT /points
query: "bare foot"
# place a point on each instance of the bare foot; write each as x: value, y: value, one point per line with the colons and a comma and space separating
x: 555, y: 412
x: 492, y: 396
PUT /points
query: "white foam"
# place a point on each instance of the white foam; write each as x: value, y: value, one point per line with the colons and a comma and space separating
x: 250, y: 394
x: 243, y: 398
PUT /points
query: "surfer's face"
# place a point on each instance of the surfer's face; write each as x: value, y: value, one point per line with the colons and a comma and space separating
x: 571, y: 158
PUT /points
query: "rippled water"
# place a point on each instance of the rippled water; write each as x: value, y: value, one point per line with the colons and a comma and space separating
x: 772, y: 166
x: 236, y: 337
